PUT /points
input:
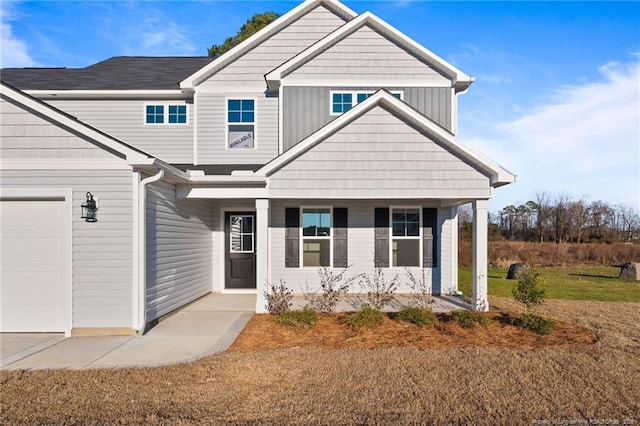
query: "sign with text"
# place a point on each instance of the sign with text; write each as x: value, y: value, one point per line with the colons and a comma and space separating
x: 241, y: 137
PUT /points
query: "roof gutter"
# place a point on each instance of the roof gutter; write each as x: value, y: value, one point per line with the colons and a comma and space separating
x: 142, y: 249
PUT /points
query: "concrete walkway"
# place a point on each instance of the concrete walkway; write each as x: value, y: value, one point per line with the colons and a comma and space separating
x: 205, y: 327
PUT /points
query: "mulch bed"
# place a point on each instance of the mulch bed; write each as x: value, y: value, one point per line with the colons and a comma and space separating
x: 330, y: 332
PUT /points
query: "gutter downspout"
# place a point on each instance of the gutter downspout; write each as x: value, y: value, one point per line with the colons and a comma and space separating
x: 142, y: 249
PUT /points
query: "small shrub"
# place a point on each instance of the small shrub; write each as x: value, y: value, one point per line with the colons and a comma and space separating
x: 527, y: 290
x: 297, y: 317
x: 422, y: 317
x: 279, y: 298
x: 534, y: 323
x: 421, y: 295
x: 332, y: 286
x: 366, y: 317
x: 379, y: 291
x: 469, y: 319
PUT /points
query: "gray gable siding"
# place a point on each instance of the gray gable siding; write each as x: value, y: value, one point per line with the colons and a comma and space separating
x: 25, y: 135
x: 124, y: 119
x: 374, y: 156
x: 365, y: 55
x: 250, y: 68
x: 102, y: 251
x: 307, y: 109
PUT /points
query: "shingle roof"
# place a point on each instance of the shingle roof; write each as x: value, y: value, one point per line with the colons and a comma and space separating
x: 117, y: 73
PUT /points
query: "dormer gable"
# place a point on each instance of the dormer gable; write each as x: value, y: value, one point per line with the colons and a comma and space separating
x: 286, y: 20
x: 376, y: 43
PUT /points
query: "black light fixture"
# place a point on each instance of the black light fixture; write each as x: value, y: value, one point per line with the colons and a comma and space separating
x: 89, y: 209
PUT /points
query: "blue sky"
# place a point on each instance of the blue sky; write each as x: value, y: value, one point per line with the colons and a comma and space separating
x: 557, y: 92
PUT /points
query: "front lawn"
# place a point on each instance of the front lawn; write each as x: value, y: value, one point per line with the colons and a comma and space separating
x: 598, y: 283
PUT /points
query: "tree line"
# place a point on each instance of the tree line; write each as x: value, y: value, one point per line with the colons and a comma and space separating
x: 559, y: 219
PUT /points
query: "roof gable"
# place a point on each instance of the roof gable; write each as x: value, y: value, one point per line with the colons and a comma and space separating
x: 385, y: 100
x: 130, y: 154
x: 459, y: 80
x: 276, y: 26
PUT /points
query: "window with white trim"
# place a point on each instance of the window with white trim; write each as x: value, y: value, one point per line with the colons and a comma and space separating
x: 165, y: 114
x: 343, y: 101
x: 316, y: 237
x: 241, y: 123
x: 405, y: 236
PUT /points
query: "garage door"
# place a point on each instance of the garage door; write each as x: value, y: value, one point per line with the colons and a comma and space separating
x: 35, y: 265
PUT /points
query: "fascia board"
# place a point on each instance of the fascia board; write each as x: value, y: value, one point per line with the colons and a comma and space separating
x: 499, y: 176
x: 108, y: 94
x: 194, y: 79
x: 73, y: 124
x: 460, y: 79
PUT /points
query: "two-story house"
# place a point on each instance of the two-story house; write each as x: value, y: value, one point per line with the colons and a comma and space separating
x: 326, y: 139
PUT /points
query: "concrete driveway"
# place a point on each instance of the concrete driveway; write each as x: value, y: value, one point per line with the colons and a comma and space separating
x: 207, y: 326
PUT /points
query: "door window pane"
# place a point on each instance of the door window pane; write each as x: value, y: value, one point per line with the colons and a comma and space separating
x: 241, y: 234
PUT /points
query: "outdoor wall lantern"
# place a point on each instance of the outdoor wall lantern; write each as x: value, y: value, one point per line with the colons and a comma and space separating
x: 89, y: 209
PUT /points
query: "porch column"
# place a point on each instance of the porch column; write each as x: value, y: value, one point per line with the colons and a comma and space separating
x: 479, y: 300
x: 262, y: 253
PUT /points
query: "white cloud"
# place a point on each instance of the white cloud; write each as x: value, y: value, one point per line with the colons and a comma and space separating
x: 13, y: 51
x: 155, y: 35
x: 584, y: 141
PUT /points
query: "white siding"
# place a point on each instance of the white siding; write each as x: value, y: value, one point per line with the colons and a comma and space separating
x: 102, y: 266
x: 125, y: 120
x: 360, y: 245
x: 25, y: 135
x: 212, y: 130
x: 365, y: 55
x: 374, y: 156
x: 250, y: 68
x: 179, y: 249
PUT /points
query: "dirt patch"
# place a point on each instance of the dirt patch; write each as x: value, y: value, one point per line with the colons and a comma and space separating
x: 330, y: 332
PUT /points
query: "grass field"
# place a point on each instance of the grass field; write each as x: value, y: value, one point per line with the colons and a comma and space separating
x: 598, y: 283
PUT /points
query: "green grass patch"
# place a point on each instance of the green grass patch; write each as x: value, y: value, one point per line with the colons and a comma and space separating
x: 422, y: 317
x: 534, y: 322
x: 598, y: 283
x: 469, y: 319
x: 366, y: 317
x: 294, y: 318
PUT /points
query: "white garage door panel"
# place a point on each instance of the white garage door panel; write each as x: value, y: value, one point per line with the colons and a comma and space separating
x: 33, y: 266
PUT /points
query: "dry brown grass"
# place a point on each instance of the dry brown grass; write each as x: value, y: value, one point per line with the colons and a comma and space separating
x: 504, y: 253
x: 262, y: 333
x: 473, y: 385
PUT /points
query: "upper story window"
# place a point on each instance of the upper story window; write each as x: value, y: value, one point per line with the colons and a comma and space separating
x: 343, y: 101
x: 241, y: 123
x: 165, y: 114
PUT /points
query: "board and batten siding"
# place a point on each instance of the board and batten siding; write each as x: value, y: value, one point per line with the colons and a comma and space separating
x: 125, y: 120
x: 366, y: 55
x: 102, y: 251
x: 24, y: 135
x: 212, y: 130
x: 306, y: 109
x: 179, y: 249
x: 361, y: 246
x: 374, y: 156
x: 249, y: 70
